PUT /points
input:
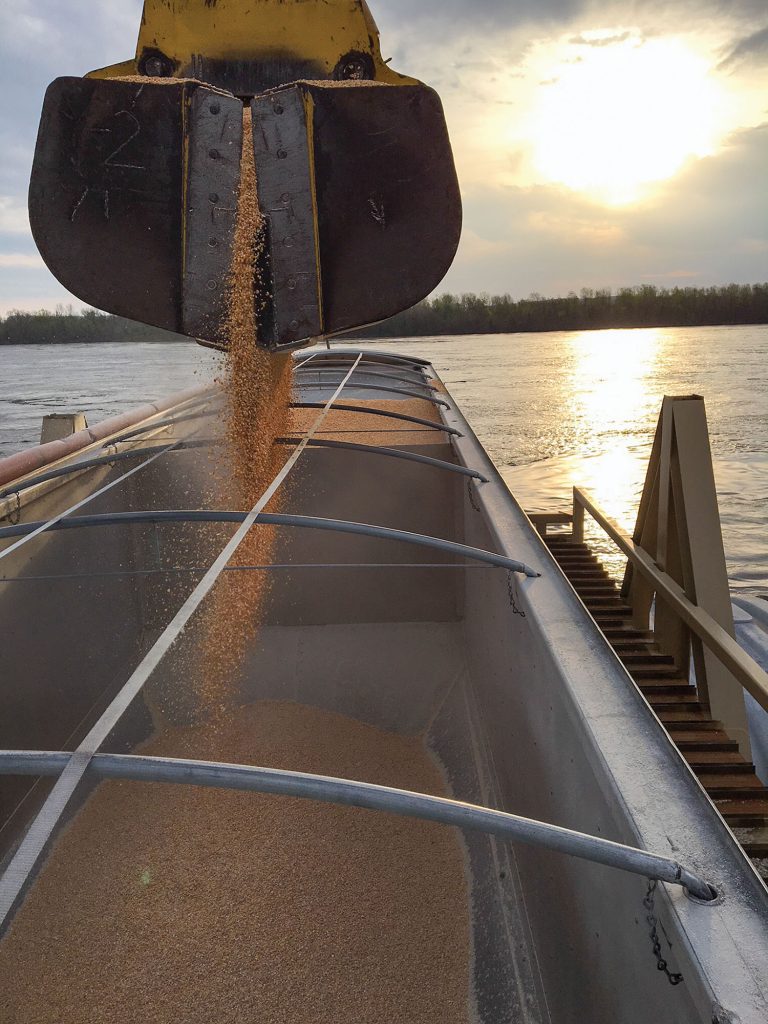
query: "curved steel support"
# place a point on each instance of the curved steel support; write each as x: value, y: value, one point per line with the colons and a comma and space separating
x: 413, y: 375
x: 172, y: 421
x: 271, y: 519
x: 393, y: 453
x: 372, y: 354
x: 379, y: 387
x: 368, y: 411
x: 417, y: 381
x: 372, y: 375
x: 371, y: 797
x: 102, y: 460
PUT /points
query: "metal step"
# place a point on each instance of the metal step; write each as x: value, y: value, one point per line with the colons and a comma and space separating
x: 650, y: 687
x: 687, y: 719
x: 630, y: 646
x: 745, y: 812
x: 645, y: 657
x: 754, y: 839
x: 733, y: 784
x: 719, y: 762
x: 714, y: 740
x: 627, y: 633
x: 650, y: 671
x: 674, y: 701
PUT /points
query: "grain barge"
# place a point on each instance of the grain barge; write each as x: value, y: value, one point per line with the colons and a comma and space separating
x: 411, y: 595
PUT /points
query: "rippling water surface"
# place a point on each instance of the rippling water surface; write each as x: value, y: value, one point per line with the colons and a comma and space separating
x: 553, y: 410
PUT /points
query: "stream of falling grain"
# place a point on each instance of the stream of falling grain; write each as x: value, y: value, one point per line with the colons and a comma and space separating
x: 258, y: 389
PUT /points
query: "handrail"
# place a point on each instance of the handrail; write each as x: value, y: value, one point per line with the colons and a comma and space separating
x: 718, y: 640
x: 372, y: 797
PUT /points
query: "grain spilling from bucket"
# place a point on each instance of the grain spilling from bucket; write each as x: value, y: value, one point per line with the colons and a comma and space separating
x: 258, y: 389
x: 168, y: 904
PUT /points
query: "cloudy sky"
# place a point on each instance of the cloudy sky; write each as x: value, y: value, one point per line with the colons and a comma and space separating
x: 598, y: 143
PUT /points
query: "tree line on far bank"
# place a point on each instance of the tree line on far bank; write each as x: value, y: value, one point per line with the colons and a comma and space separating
x: 65, y: 326
x: 642, y: 306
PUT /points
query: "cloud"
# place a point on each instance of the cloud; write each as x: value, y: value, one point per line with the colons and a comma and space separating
x: 707, y: 226
x: 14, y: 219
x: 598, y: 39
x: 21, y: 260
x: 752, y: 47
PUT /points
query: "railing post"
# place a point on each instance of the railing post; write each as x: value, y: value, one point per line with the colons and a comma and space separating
x: 578, y: 518
x: 679, y: 527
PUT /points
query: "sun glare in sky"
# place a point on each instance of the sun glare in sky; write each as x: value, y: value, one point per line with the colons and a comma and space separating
x: 623, y: 115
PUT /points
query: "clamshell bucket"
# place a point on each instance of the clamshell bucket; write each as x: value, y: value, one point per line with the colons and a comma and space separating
x: 134, y: 192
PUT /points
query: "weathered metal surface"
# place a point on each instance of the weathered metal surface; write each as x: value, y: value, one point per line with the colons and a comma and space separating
x: 362, y: 204
x: 247, y: 47
x: 388, y: 202
x: 286, y: 188
x: 211, y: 194
x: 118, y: 168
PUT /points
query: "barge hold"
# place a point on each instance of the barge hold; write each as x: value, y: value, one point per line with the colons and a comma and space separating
x: 435, y: 646
x: 326, y: 735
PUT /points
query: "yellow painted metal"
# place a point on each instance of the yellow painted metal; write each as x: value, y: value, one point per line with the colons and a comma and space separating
x: 317, y: 31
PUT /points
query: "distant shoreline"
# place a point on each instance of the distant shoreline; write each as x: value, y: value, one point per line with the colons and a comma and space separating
x: 181, y: 339
x: 644, y: 306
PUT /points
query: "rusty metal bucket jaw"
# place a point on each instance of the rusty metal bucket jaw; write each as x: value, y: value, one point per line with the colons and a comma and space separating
x: 133, y: 198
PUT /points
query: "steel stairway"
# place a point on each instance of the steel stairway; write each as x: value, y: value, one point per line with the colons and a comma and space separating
x: 729, y: 779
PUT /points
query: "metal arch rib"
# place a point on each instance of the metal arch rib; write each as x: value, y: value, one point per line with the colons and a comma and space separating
x: 406, y: 373
x: 373, y: 354
x: 318, y: 385
x: 338, y: 372
x: 370, y: 797
x: 171, y: 422
x: 393, y: 453
x: 102, y: 460
x: 273, y: 519
x: 368, y: 411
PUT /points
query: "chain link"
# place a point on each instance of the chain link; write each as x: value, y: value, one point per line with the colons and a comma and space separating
x: 650, y: 917
x: 471, y: 494
x: 14, y: 517
x: 513, y: 596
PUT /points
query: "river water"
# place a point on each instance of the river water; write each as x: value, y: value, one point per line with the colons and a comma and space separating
x: 553, y: 410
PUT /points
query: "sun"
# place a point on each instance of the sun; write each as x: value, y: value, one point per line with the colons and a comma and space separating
x: 624, y: 113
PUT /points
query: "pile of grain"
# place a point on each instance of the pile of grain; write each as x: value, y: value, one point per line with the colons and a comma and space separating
x: 171, y: 904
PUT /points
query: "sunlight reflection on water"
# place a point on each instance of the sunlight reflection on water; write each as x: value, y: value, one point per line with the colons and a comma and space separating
x: 565, y: 408
x: 553, y: 410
